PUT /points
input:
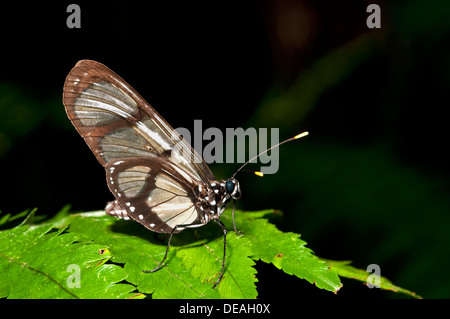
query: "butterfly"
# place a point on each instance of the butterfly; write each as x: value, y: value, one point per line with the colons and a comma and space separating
x: 156, y: 177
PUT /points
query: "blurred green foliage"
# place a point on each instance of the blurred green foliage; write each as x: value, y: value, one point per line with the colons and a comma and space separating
x: 22, y: 113
x: 19, y: 115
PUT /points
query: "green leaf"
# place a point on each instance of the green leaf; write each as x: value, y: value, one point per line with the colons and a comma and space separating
x: 37, y: 262
x: 194, y: 259
x: 286, y: 251
x: 344, y: 269
x: 7, y: 219
x: 204, y: 259
x: 111, y: 254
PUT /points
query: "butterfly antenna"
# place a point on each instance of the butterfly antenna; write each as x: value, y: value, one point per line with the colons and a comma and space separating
x: 296, y: 137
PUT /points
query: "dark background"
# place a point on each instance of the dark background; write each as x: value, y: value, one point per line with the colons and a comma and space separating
x: 371, y: 182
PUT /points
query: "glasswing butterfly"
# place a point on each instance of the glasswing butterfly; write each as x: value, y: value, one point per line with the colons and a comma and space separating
x: 156, y: 177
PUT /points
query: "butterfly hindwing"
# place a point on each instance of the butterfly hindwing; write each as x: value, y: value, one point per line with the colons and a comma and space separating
x: 117, y: 123
x: 154, y: 192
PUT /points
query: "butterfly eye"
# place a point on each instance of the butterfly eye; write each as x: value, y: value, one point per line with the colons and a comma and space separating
x: 232, y: 187
x: 229, y: 186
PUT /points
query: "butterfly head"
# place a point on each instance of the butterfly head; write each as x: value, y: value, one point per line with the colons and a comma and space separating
x: 233, y: 188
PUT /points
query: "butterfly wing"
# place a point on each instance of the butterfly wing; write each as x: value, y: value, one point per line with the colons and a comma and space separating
x: 154, y: 192
x: 117, y: 123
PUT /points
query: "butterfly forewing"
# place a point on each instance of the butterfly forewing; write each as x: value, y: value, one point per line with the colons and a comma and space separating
x: 117, y: 123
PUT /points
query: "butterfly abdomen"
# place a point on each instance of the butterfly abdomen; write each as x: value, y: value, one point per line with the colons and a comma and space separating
x: 114, y: 209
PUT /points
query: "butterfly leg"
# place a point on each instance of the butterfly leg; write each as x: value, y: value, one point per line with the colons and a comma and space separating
x: 234, y: 223
x: 165, y: 255
x: 224, y: 250
x: 168, y: 244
